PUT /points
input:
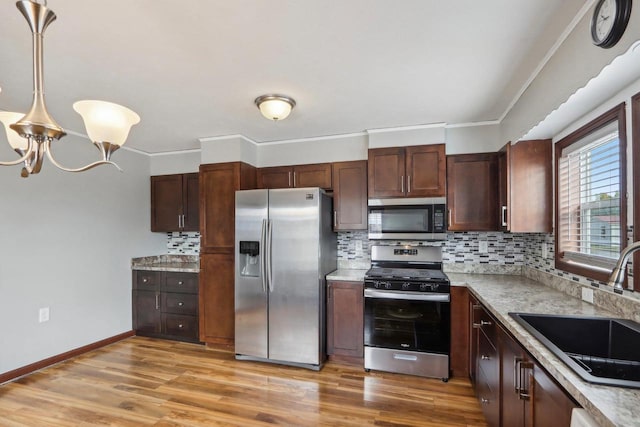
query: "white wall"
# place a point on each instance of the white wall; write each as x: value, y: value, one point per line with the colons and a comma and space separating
x: 66, y: 243
x: 231, y: 148
x: 473, y: 139
x: 176, y: 162
x: 314, y: 150
x: 575, y: 62
x: 401, y: 137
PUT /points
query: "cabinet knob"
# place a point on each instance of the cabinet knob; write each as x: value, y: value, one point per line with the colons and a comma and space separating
x: 180, y: 304
x: 485, y: 401
x: 145, y: 280
x: 180, y: 282
x: 180, y: 326
x: 483, y: 357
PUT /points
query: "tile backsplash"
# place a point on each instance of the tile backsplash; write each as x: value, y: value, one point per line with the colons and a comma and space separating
x: 459, y: 248
x: 183, y: 243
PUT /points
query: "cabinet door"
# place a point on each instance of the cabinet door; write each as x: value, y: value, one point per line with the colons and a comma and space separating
x: 550, y: 405
x: 345, y: 319
x: 512, y: 356
x: 459, y: 331
x: 472, y: 192
x: 426, y: 170
x: 146, y: 312
x: 191, y: 202
x: 350, y: 195
x: 217, y: 314
x: 317, y: 175
x: 530, y: 187
x: 386, y: 172
x: 474, y: 319
x: 218, y: 185
x: 166, y: 202
x: 275, y: 177
x: 504, y: 185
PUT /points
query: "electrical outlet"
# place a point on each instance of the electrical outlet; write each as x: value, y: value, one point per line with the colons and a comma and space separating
x: 587, y: 295
x: 358, y: 246
x: 483, y: 246
x: 543, y: 249
x: 43, y: 315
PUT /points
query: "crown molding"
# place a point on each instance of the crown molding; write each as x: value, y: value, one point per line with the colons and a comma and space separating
x: 405, y: 128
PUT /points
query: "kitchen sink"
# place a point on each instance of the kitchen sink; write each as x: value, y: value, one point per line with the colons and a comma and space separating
x: 601, y: 350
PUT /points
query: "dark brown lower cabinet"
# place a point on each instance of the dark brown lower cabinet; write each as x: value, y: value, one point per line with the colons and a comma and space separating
x: 217, y: 298
x: 165, y: 304
x: 345, y: 321
x: 513, y: 389
x: 530, y: 396
x: 459, y: 361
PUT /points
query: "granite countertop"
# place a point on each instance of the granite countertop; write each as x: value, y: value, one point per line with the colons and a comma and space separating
x: 176, y: 263
x: 347, y: 275
x: 501, y: 294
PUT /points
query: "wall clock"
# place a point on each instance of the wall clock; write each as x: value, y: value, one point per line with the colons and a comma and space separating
x: 610, y: 18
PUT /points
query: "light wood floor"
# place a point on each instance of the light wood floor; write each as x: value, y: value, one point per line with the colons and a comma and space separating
x: 142, y: 381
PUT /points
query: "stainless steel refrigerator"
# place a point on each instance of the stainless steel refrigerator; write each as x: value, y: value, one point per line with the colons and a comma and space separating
x: 285, y: 247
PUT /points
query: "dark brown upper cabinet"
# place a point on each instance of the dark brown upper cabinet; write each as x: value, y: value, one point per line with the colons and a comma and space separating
x: 526, y: 192
x: 174, y: 203
x: 350, y: 195
x: 415, y: 171
x: 472, y: 192
x: 298, y: 176
x: 218, y: 185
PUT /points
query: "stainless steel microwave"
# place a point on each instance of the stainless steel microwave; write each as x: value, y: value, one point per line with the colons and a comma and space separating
x: 408, y: 219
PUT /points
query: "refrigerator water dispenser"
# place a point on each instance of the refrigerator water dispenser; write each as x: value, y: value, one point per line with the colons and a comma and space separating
x: 250, y: 259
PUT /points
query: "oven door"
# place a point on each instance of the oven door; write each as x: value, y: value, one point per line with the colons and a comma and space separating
x: 411, y: 321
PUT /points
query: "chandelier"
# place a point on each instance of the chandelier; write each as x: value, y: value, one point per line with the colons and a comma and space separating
x: 31, y: 134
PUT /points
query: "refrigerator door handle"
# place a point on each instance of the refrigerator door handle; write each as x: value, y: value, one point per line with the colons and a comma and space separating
x: 263, y: 255
x: 268, y: 251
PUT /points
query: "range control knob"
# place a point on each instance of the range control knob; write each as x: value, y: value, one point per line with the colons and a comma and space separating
x: 425, y: 287
x: 406, y: 286
x: 387, y: 285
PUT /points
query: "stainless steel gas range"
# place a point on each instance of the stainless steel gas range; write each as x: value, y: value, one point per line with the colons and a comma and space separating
x: 407, y: 320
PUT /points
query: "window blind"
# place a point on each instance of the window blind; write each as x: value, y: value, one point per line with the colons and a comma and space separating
x: 589, y: 199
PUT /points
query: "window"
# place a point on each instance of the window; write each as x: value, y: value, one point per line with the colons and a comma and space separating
x: 591, y: 196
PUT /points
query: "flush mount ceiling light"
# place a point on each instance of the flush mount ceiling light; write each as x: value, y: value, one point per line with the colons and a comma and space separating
x: 31, y: 135
x: 275, y: 107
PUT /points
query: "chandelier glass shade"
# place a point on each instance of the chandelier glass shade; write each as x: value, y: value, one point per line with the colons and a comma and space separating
x: 31, y: 134
x: 275, y: 107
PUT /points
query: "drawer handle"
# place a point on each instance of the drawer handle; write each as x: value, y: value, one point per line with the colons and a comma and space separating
x: 180, y: 326
x: 483, y: 357
x: 180, y: 304
x: 481, y: 324
x: 406, y: 357
x: 180, y: 282
x: 485, y: 401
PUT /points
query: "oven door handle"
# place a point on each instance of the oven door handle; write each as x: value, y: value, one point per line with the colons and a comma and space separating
x: 413, y: 296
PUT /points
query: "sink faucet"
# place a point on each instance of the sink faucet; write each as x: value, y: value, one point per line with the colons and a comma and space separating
x: 617, y: 275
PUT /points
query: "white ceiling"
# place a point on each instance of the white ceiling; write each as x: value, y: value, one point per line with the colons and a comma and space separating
x: 192, y: 69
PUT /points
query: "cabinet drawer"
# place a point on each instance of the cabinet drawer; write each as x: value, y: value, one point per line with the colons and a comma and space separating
x: 483, y: 321
x: 147, y: 280
x: 181, y: 282
x: 488, y: 360
x: 489, y: 398
x: 180, y: 303
x: 180, y: 325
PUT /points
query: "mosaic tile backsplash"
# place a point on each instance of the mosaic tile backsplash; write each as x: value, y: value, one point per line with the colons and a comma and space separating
x: 187, y: 243
x: 459, y: 248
